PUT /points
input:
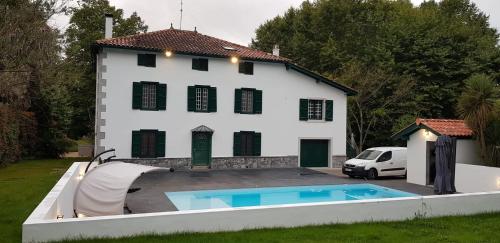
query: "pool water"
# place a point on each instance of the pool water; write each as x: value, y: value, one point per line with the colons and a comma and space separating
x: 228, y: 198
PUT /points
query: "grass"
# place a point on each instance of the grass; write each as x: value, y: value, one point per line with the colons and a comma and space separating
x: 23, y: 185
x: 81, y: 141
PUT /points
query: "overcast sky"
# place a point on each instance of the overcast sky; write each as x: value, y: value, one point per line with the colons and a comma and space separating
x: 232, y: 20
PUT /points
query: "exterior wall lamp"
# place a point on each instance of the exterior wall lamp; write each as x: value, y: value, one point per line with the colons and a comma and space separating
x: 169, y: 53
x: 234, y: 59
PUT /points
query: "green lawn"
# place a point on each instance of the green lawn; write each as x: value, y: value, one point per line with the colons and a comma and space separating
x: 23, y: 186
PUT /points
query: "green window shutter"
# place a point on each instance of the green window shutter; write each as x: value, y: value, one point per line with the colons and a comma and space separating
x: 256, y: 143
x: 246, y: 68
x: 203, y: 64
x: 237, y: 101
x: 160, y: 144
x: 303, y: 109
x: 195, y: 64
x: 257, y: 101
x: 147, y: 60
x: 161, y: 97
x: 136, y: 143
x: 212, y: 99
x: 137, y: 95
x: 329, y: 110
x: 249, y: 68
x: 236, y: 144
x: 191, y: 96
x: 241, y: 67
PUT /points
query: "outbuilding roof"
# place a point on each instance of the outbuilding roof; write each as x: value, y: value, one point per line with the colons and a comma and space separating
x: 193, y: 43
x: 449, y: 127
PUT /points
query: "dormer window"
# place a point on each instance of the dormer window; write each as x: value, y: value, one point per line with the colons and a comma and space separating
x: 200, y: 64
x: 246, y: 68
x: 146, y: 60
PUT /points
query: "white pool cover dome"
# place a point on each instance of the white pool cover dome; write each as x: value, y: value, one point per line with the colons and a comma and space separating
x: 102, y: 191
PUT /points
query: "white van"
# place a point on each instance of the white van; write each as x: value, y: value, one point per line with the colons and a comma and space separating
x: 375, y: 162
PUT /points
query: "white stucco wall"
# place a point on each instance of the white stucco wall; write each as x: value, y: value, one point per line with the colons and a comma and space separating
x: 467, y: 153
x: 42, y: 225
x: 279, y: 122
x: 416, y: 156
x: 474, y: 178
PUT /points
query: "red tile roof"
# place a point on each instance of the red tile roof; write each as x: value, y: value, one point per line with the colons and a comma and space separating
x: 455, y: 128
x: 188, y: 42
x: 193, y: 43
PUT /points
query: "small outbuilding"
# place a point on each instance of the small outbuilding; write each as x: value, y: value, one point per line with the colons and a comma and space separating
x: 421, y: 138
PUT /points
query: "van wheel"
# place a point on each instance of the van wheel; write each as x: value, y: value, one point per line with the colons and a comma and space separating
x: 372, y: 174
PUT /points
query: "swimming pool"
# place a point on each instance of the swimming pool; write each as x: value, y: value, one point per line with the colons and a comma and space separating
x: 231, y: 198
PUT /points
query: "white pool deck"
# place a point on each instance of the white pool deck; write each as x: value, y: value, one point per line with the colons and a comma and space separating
x: 43, y: 224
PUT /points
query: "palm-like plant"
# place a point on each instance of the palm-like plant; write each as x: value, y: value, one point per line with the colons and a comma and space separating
x: 476, y: 105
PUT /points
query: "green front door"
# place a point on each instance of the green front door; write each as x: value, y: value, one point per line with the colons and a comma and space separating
x: 313, y: 153
x: 201, y: 148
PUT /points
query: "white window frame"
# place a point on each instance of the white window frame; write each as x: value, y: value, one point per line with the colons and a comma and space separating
x: 247, y: 99
x: 323, y: 108
x: 149, y: 96
x: 201, y: 98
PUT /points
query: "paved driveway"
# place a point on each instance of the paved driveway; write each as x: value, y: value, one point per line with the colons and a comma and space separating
x: 151, y: 197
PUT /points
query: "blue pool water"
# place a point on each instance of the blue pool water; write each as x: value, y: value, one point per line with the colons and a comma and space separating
x: 207, y: 199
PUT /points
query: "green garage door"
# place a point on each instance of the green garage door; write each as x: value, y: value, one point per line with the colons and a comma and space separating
x: 313, y: 153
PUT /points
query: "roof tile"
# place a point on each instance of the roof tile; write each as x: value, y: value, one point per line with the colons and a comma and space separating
x: 189, y: 42
x: 456, y: 128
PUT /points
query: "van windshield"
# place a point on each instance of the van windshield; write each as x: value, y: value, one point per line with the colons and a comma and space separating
x: 369, y: 154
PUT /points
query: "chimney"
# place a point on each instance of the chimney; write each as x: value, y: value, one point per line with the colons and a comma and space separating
x: 276, y: 50
x: 108, y: 26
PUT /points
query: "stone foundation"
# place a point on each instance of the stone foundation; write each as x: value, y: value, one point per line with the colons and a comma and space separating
x: 254, y: 162
x: 221, y: 162
x: 242, y: 162
x: 176, y: 163
x: 338, y: 161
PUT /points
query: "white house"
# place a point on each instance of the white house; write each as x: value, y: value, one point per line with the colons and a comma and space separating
x: 180, y: 98
x: 421, y: 137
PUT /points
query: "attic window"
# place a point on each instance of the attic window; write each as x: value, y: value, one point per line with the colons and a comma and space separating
x: 200, y: 64
x: 146, y: 60
x: 229, y: 48
x: 246, y: 68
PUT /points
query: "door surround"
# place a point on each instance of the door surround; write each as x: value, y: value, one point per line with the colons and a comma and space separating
x: 197, y: 133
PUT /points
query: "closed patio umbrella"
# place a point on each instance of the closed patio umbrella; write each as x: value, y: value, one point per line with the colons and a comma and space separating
x: 445, y: 165
x: 102, y: 191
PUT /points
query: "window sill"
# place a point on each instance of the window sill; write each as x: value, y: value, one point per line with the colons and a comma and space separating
x: 316, y: 121
x: 203, y: 111
x: 243, y: 113
x: 149, y: 109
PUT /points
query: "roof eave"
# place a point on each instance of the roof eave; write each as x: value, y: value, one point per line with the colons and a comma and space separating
x: 349, y: 91
x: 405, y: 133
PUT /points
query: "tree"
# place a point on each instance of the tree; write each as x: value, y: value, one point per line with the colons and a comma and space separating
x: 85, y: 27
x: 380, y: 95
x: 477, y: 104
x: 436, y: 45
x: 29, y: 60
